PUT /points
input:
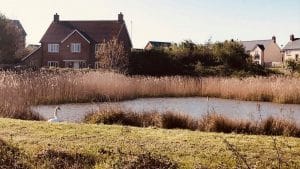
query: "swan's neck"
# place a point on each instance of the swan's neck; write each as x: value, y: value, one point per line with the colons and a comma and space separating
x: 55, y: 114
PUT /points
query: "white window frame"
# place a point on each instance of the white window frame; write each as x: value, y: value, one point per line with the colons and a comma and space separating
x: 288, y: 52
x: 53, y: 48
x: 53, y: 64
x: 75, y: 47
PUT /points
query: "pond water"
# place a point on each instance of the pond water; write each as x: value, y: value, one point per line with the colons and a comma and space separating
x: 193, y: 106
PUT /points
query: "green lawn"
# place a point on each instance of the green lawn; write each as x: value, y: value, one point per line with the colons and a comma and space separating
x: 187, y: 148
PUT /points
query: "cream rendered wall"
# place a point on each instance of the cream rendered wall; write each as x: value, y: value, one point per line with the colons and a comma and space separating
x: 260, y: 53
x: 292, y: 54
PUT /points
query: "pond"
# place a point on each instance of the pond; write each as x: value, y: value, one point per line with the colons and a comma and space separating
x: 196, y: 107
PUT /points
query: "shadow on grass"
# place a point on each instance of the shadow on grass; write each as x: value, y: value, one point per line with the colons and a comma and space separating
x: 11, y: 157
x: 52, y: 159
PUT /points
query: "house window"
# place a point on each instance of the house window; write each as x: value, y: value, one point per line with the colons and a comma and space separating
x: 297, y: 57
x: 53, y: 64
x: 288, y: 52
x: 53, y: 48
x: 75, y: 47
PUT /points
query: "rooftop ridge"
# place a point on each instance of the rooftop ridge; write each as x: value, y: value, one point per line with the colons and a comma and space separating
x: 88, y: 21
x: 159, y: 41
x: 256, y: 40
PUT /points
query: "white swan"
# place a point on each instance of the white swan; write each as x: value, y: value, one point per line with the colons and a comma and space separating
x: 55, y: 118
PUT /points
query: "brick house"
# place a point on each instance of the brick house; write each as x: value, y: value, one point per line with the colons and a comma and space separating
x: 264, y: 52
x: 73, y: 44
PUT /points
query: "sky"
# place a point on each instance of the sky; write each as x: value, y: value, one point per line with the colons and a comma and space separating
x: 167, y: 20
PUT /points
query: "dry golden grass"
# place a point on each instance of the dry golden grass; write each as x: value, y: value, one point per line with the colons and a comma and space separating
x: 18, y: 91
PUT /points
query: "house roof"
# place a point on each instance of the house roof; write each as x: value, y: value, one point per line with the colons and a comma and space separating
x: 94, y: 31
x: 262, y: 47
x: 31, y: 54
x: 292, y: 44
x: 18, y: 24
x: 250, y: 45
x: 157, y: 44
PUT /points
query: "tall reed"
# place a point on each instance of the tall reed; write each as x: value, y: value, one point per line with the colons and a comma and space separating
x: 20, y: 90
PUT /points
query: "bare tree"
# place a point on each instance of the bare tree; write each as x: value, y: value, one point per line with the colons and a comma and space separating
x: 112, y: 55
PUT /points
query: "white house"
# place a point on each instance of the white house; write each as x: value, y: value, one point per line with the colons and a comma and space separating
x: 292, y: 49
x: 258, y: 54
x: 264, y: 52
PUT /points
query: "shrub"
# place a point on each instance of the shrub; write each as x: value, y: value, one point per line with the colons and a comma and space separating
x: 212, y: 122
x: 230, y: 53
x: 154, y: 63
x: 111, y: 116
x: 217, y: 123
x: 171, y: 120
x: 273, y: 126
x: 291, y: 65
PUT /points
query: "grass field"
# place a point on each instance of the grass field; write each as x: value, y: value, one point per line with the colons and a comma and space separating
x: 117, y: 146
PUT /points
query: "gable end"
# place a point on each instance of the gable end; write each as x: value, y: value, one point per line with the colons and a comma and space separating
x: 75, y: 31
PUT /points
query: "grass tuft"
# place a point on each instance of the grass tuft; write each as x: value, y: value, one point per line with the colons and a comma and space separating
x: 273, y: 126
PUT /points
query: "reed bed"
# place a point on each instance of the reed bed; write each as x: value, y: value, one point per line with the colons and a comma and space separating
x: 20, y: 90
x: 211, y: 122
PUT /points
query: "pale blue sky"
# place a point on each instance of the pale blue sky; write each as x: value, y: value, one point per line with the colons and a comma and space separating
x: 168, y: 20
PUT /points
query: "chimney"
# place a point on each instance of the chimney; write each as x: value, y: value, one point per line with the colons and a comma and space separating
x: 56, y: 18
x: 121, y: 17
x: 274, y: 39
x: 292, y: 37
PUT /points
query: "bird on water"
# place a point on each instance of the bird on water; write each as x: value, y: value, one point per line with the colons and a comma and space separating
x: 55, y: 119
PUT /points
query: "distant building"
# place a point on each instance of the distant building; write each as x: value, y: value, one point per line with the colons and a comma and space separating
x: 73, y: 44
x: 292, y: 49
x: 264, y: 52
x: 157, y: 45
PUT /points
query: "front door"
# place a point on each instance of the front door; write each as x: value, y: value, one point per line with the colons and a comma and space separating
x: 76, y: 65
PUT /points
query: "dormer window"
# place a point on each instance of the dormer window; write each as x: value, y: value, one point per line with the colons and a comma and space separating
x: 53, y: 48
x: 75, y: 47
